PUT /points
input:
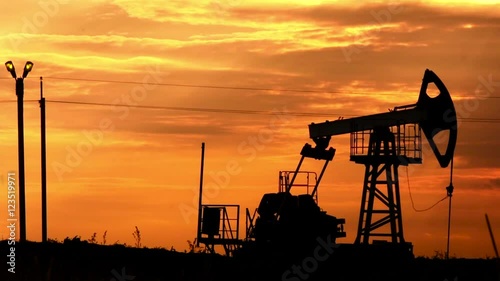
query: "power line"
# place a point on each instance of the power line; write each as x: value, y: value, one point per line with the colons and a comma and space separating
x: 218, y: 110
x: 411, y: 197
x: 194, y: 85
x: 12, y: 101
x: 244, y: 111
x: 225, y: 87
x: 235, y: 111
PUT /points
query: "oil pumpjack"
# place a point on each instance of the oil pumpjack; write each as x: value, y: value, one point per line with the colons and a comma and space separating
x: 381, y: 142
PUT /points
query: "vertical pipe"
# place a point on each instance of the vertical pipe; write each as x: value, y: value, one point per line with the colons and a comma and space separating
x: 20, y: 139
x: 43, y: 164
x: 449, y: 190
x: 198, y: 233
x: 448, y: 237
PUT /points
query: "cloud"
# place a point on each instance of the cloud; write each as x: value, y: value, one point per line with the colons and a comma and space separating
x: 261, y: 47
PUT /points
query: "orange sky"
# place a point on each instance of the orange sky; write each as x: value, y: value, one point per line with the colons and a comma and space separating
x: 140, y: 167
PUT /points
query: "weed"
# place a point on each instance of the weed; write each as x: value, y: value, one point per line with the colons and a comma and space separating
x: 137, y: 237
x: 104, y: 237
x: 55, y: 240
x: 76, y: 239
x: 93, y: 239
x: 118, y: 244
x: 438, y: 255
x: 193, y: 248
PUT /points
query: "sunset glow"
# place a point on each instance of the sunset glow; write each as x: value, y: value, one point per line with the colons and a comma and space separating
x: 115, y: 162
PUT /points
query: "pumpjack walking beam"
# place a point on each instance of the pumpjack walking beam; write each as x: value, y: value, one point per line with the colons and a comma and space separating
x: 432, y: 114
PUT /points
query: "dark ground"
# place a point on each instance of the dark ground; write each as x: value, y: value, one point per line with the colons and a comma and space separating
x: 81, y: 261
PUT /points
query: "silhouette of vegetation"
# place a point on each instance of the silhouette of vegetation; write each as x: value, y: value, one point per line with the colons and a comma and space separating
x: 194, y: 248
x: 104, y: 237
x: 93, y: 239
x: 79, y: 259
x: 137, y: 237
x: 55, y: 240
x: 75, y: 240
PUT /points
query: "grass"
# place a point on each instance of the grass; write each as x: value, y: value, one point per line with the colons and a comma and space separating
x: 77, y: 259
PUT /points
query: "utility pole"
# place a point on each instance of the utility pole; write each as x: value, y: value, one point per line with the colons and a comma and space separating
x: 43, y: 164
x: 198, y: 233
